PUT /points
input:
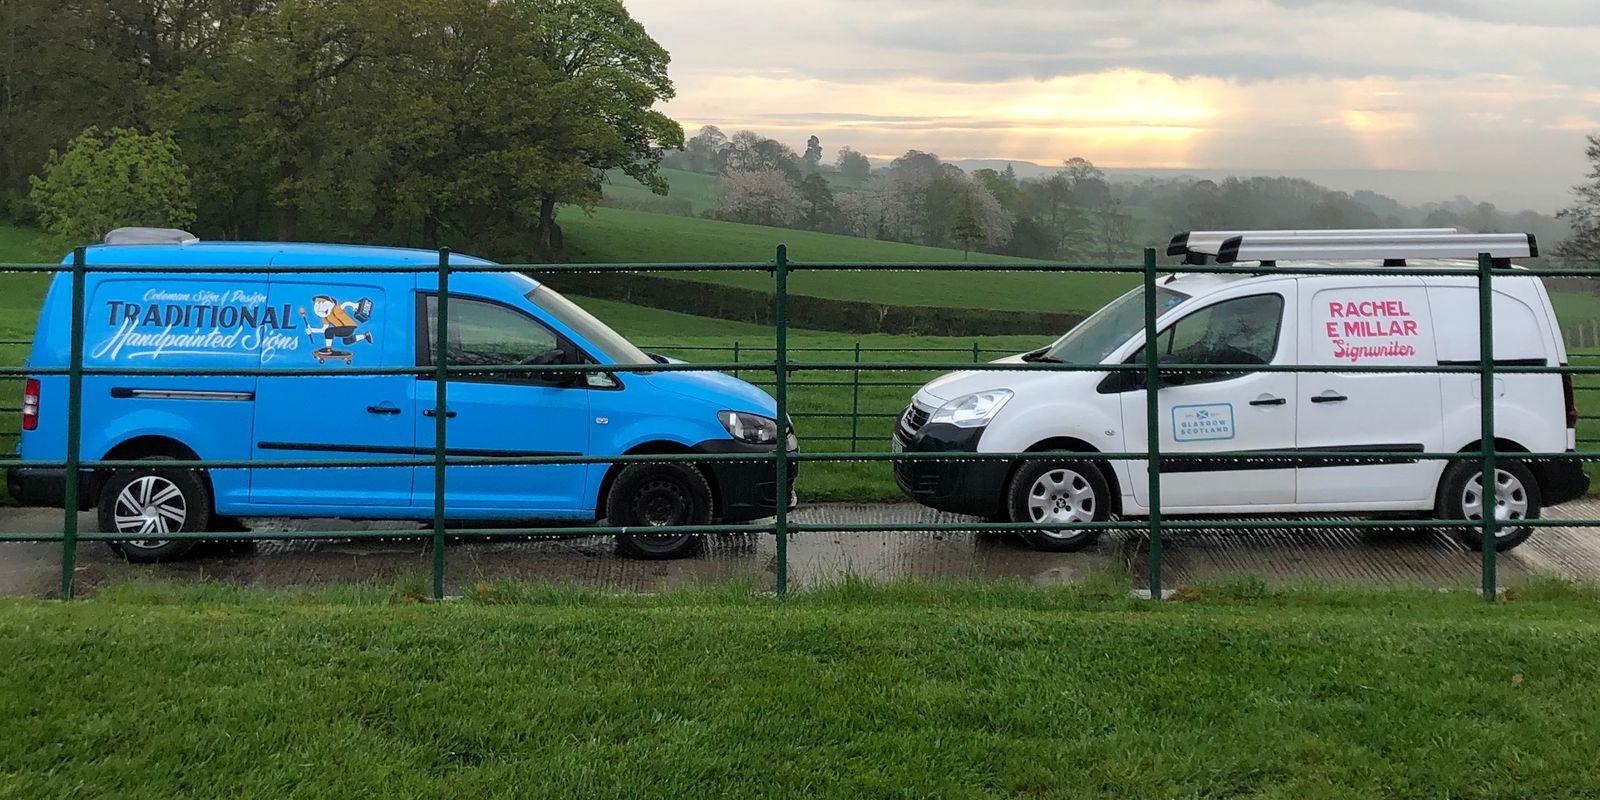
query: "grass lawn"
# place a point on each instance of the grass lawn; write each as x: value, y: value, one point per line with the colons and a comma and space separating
x: 913, y: 690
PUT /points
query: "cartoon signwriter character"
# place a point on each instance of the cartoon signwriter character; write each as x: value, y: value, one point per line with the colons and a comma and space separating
x: 339, y: 320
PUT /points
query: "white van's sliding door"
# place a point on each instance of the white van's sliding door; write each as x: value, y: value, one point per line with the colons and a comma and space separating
x: 1384, y: 321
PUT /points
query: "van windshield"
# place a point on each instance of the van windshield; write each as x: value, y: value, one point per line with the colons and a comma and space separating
x: 1093, y: 339
x: 598, y: 334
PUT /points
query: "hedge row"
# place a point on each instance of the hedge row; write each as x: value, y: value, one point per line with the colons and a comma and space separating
x: 815, y: 313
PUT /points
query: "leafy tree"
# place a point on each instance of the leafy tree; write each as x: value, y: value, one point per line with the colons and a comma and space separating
x: 821, y: 208
x: 752, y: 151
x: 707, y: 151
x: 967, y: 228
x: 106, y: 181
x: 1584, y: 214
x: 812, y: 160
x: 853, y: 166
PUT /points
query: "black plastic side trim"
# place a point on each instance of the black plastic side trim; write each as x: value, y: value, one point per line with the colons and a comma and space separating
x: 315, y: 447
x: 1286, y: 459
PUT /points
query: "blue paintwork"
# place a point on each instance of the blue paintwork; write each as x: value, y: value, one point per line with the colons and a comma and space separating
x: 192, y: 319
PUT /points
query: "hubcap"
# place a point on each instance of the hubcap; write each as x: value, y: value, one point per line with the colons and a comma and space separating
x: 1510, y: 500
x: 150, y: 505
x: 1061, y: 496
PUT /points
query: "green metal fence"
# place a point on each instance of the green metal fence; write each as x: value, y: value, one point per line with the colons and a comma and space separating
x: 780, y: 367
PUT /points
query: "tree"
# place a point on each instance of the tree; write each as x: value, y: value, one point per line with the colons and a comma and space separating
x: 708, y: 151
x: 853, y: 166
x: 812, y: 160
x: 967, y: 228
x: 761, y: 197
x: 1584, y: 214
x: 106, y: 181
x: 821, y: 209
x: 1010, y: 174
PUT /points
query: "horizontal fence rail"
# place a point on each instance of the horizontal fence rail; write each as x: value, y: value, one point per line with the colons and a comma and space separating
x: 774, y: 366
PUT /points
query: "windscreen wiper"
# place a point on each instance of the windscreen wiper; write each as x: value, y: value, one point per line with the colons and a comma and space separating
x: 1038, y: 356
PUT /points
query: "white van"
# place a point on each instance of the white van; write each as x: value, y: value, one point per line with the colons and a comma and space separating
x: 1269, y: 317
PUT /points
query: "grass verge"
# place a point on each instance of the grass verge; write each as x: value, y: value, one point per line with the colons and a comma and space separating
x: 902, y: 690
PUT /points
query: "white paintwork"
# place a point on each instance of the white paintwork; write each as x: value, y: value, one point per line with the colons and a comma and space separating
x: 1439, y: 412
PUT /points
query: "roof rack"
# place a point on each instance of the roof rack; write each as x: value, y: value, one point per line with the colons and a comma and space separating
x: 1206, y: 243
x: 137, y: 235
x: 1391, y: 246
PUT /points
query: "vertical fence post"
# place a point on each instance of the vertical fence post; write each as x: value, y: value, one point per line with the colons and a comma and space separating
x: 1489, y: 484
x: 975, y: 352
x: 736, y: 356
x: 69, y: 522
x: 441, y: 377
x: 780, y: 492
x: 1152, y: 405
x: 855, y: 399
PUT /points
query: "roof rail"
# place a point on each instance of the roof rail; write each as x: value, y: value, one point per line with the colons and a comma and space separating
x: 1208, y: 242
x: 1389, y: 247
x: 137, y: 235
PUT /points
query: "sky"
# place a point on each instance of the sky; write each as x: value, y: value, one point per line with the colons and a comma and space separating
x: 1428, y: 98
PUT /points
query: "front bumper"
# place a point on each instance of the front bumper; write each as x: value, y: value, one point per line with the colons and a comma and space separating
x: 1560, y: 479
x: 746, y: 490
x: 961, y: 487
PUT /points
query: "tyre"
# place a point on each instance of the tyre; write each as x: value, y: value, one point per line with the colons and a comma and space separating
x: 1516, y: 497
x: 152, y: 501
x: 1066, y: 491
x: 655, y: 495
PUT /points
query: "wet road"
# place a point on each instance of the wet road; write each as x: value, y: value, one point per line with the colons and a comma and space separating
x: 1420, y: 558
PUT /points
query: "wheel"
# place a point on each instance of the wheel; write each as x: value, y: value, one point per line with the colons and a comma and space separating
x: 1516, y: 497
x: 1065, y: 491
x: 654, y: 495
x: 152, y: 501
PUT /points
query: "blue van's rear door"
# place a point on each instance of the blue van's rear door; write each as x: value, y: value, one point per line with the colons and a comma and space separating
x: 345, y: 321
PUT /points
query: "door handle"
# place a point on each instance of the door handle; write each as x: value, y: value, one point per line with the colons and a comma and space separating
x: 383, y: 409
x: 1268, y: 401
x: 428, y: 412
x: 1329, y: 398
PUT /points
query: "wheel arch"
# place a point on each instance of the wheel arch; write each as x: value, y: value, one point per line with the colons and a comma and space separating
x: 1501, y: 445
x: 655, y: 447
x: 145, y: 446
x: 1072, y: 444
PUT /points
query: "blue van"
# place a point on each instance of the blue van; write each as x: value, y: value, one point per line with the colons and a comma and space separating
x: 190, y: 318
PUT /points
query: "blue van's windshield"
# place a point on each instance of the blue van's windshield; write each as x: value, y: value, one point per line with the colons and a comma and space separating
x: 1095, y: 338
x: 598, y: 334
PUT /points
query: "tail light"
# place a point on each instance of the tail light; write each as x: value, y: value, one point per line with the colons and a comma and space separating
x: 30, y: 404
x: 1572, y: 407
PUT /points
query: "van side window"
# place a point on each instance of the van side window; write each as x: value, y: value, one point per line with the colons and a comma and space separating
x: 1243, y: 330
x: 483, y: 334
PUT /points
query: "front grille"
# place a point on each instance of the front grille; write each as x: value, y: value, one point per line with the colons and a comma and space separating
x: 916, y: 418
x: 911, y: 420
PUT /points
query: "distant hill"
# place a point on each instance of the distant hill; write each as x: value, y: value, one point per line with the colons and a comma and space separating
x: 1509, y: 190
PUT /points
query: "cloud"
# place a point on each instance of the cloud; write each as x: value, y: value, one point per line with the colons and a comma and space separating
x: 1440, y: 85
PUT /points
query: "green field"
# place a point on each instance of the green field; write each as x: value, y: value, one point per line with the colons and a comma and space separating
x: 612, y: 235
x: 904, y: 690
x: 694, y: 188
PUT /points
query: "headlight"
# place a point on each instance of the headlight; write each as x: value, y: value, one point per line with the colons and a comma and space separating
x: 972, y: 410
x: 749, y: 428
